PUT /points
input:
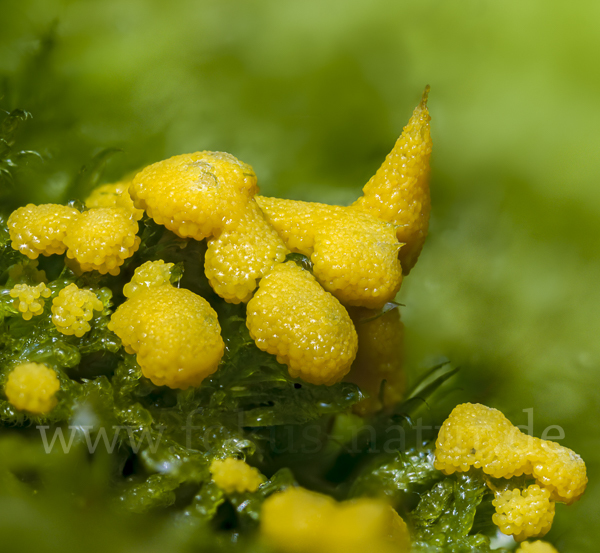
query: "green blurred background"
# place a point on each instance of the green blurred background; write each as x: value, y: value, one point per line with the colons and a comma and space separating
x: 313, y: 94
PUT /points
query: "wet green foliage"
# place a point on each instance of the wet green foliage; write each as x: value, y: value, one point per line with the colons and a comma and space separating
x: 444, y: 518
x: 146, y: 450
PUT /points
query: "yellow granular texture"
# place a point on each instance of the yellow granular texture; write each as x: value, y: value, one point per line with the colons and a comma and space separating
x: 558, y: 469
x: 32, y: 387
x: 356, y: 259
x: 296, y: 222
x: 101, y: 239
x: 195, y: 195
x: 148, y: 275
x: 114, y: 195
x: 292, y: 317
x: 399, y: 190
x: 482, y: 437
x: 239, y: 257
x: 234, y: 475
x: 72, y: 310
x: 28, y: 299
x: 299, y: 521
x: 355, y: 255
x: 524, y: 515
x: 40, y: 229
x: 536, y: 547
x: 478, y: 436
x: 174, y: 332
x: 379, y: 358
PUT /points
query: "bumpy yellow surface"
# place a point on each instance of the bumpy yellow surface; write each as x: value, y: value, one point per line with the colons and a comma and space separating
x: 524, y: 515
x: 148, y: 275
x: 101, y: 239
x: 235, y: 475
x: 299, y: 521
x: 114, y: 195
x: 292, y: 317
x: 478, y: 436
x: 379, y: 358
x: 174, y: 332
x: 482, y: 437
x: 32, y: 387
x: 296, y: 222
x: 29, y: 299
x: 72, y: 310
x: 195, y: 195
x: 40, y: 229
x: 558, y: 469
x: 355, y: 255
x: 240, y: 256
x: 399, y: 190
x: 536, y: 547
x: 356, y: 259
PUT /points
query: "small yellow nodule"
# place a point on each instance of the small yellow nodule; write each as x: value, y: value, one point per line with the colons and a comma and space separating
x: 73, y: 309
x: 524, y: 514
x: 32, y: 387
x: 148, y: 275
x: 28, y: 300
x: 234, y: 475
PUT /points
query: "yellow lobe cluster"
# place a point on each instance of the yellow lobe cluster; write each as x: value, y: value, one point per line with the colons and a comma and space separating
x: 299, y: 521
x: 28, y: 299
x: 148, y: 275
x: 482, y: 437
x: 379, y: 358
x: 292, y: 317
x: 174, y: 332
x: 354, y: 254
x: 32, y: 387
x: 399, y: 190
x: 195, y: 195
x: 524, y: 515
x: 478, y: 436
x: 536, y: 547
x: 72, y: 310
x: 239, y: 257
x: 101, y: 239
x: 234, y: 475
x: 114, y: 195
x: 40, y: 229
